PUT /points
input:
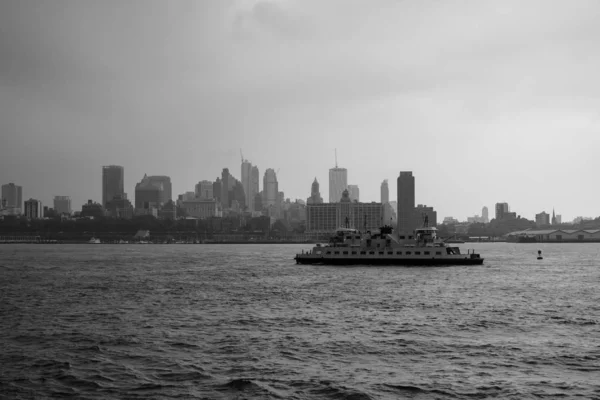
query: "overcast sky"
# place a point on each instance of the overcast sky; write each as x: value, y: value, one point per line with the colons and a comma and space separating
x: 485, y: 101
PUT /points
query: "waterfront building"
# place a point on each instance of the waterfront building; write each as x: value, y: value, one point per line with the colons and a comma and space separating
x: 204, y: 190
x: 148, y: 194
x: 202, y: 208
x: 12, y: 198
x: 315, y: 195
x: 354, y: 192
x: 422, y: 211
x: 327, y: 217
x: 338, y: 182
x: 542, y: 218
x: 92, y: 210
x: 501, y: 210
x: 112, y: 182
x: 217, y: 184
x: 406, y: 203
x: 33, y: 209
x: 484, y: 215
x: 270, y: 188
x: 385, y: 192
x: 119, y: 207
x: 558, y: 219
x: 62, y: 205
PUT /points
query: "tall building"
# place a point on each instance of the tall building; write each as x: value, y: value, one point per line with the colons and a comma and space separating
x: 12, y: 197
x: 315, y: 194
x: 113, y: 179
x: 247, y: 183
x: 553, y: 217
x: 406, y: 203
x: 225, y: 188
x: 422, y: 211
x: 338, y: 182
x: 148, y: 194
x: 501, y: 210
x: 270, y: 188
x: 254, y: 186
x: 204, y: 190
x: 33, y: 209
x: 353, y: 192
x: 542, y: 218
x: 327, y: 217
x: 484, y: 215
x: 385, y: 192
x: 167, y: 193
x: 62, y: 205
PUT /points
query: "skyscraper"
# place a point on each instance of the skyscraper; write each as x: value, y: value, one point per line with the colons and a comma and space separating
x: 385, y: 192
x: 167, y: 187
x: 204, y: 190
x: 353, y: 192
x: 254, y: 185
x: 501, y: 210
x: 247, y: 183
x: 225, y: 188
x: 406, y: 202
x: 12, y: 197
x: 62, y: 205
x: 148, y: 194
x: 338, y: 182
x: 484, y: 215
x: 112, y: 182
x: 270, y: 188
x: 33, y: 209
x: 315, y: 195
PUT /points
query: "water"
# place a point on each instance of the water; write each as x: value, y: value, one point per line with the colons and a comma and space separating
x: 245, y: 322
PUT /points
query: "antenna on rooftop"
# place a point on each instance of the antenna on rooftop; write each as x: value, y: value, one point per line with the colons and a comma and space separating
x: 241, y: 155
x: 336, y: 158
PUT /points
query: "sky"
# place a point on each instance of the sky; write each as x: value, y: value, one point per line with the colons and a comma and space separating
x: 485, y: 101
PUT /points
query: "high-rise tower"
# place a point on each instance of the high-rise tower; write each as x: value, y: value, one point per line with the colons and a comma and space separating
x: 247, y: 183
x: 113, y: 178
x: 270, y: 188
x: 406, y: 203
x: 12, y: 197
x: 385, y: 192
x: 484, y: 215
x: 315, y: 195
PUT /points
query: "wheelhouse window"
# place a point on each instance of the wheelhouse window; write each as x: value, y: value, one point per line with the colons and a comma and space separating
x: 426, y: 253
x: 337, y: 252
x: 345, y: 252
x: 371, y: 252
x: 438, y: 253
x: 417, y: 253
x: 390, y: 252
x: 399, y: 253
x: 363, y: 252
x: 353, y: 252
x: 408, y: 253
x: 402, y: 237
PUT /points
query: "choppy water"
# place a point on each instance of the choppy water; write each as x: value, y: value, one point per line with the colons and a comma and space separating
x: 245, y: 322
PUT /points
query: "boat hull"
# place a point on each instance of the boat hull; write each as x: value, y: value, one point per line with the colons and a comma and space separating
x: 309, y: 259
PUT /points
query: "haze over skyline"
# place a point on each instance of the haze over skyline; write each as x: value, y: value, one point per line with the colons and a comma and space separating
x: 484, y: 101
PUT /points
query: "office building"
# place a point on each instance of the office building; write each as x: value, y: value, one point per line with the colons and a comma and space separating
x: 202, y: 208
x: 204, y: 190
x: 62, y: 205
x: 270, y: 188
x: 327, y: 217
x: 12, y: 199
x: 119, y: 207
x: 385, y: 192
x: 501, y: 211
x: 254, y: 185
x: 338, y: 182
x: 406, y: 203
x: 484, y: 215
x: 248, y: 183
x: 92, y: 210
x: 542, y: 219
x: 225, y: 178
x: 165, y: 181
x: 315, y: 194
x: 112, y: 182
x: 353, y: 192
x: 33, y: 209
x: 422, y: 212
x: 148, y: 194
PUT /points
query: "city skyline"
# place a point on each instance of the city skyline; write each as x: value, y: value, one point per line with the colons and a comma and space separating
x: 483, y: 105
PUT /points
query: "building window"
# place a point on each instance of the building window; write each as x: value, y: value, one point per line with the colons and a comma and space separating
x: 558, y: 237
x: 381, y: 252
x: 328, y: 252
x: 402, y: 237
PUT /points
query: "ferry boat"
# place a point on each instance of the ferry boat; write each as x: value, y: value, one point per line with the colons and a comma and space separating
x: 350, y: 246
